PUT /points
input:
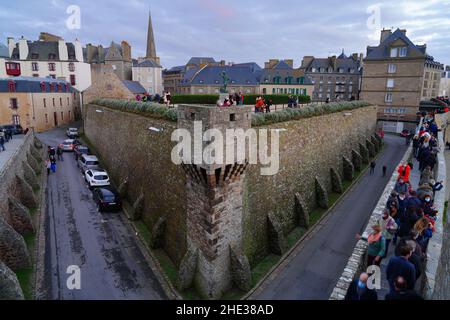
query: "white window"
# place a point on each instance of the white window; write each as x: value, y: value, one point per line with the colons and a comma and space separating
x: 403, y: 51
x: 313, y: 69
x: 200, y: 90
x: 394, y: 52
x: 392, y: 68
x: 390, y: 83
x: 320, y: 95
x: 114, y: 67
x: 388, y: 97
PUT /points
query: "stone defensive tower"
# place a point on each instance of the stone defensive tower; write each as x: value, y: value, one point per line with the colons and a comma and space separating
x: 214, y: 208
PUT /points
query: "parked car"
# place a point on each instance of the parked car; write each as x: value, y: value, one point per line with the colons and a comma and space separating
x: 67, y: 145
x: 107, y: 199
x: 86, y: 162
x: 96, y: 178
x: 14, y: 128
x: 78, y: 150
x: 6, y: 129
x: 72, y: 133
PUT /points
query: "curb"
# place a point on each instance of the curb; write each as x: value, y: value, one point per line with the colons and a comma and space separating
x: 153, y: 262
x: 287, y: 257
x: 39, y: 290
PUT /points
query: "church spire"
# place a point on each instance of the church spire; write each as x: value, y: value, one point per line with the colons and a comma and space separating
x: 151, y: 48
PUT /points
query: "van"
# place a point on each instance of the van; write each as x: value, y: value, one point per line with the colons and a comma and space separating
x: 86, y: 162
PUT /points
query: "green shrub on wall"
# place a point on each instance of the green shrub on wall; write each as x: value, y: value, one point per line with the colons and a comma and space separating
x: 195, y: 99
x: 249, y: 99
x: 149, y: 109
x: 260, y: 119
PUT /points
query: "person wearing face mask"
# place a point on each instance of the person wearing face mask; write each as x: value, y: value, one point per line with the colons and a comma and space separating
x: 427, y: 207
x: 423, y: 228
x: 359, y: 290
x: 402, y: 202
x: 388, y: 229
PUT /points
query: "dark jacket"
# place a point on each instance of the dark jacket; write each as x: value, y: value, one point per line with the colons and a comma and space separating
x: 403, y: 295
x: 355, y: 293
x: 407, y: 220
x: 399, y: 266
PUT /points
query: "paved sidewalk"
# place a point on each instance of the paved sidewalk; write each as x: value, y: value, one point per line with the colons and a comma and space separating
x: 10, y: 148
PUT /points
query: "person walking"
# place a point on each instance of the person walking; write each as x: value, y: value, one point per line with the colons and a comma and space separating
x: 377, y: 246
x: 359, y: 290
x: 384, y: 170
x: 53, y: 165
x: 388, y: 229
x: 59, y: 153
x: 2, y: 143
x: 372, y: 167
x: 268, y: 105
x: 48, y: 166
x: 399, y: 266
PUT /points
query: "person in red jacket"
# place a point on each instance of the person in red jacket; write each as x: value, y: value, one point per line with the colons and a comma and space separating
x: 404, y: 172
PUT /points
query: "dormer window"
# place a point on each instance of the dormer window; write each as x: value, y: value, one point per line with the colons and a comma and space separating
x: 330, y: 70
x: 51, y: 56
x: 403, y: 52
x: 35, y: 56
x: 322, y: 70
x: 313, y: 70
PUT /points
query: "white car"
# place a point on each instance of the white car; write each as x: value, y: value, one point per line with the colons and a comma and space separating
x: 67, y: 145
x: 96, y: 178
x: 72, y: 133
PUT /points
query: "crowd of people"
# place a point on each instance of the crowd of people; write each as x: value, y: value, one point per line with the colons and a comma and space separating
x: 407, y: 224
x: 53, y: 154
x: 236, y: 99
x: 165, y: 99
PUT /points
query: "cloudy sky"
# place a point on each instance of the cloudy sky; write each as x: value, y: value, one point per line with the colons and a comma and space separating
x: 234, y: 30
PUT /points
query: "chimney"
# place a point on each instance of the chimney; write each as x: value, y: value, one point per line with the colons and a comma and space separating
x: 90, y: 52
x: 62, y: 49
x: 23, y: 49
x: 289, y: 62
x: 333, y: 62
x: 385, y: 33
x: 126, y: 51
x: 101, y: 54
x: 78, y: 51
x: 271, y: 63
x: 306, y: 61
x: 355, y: 56
x: 11, y: 45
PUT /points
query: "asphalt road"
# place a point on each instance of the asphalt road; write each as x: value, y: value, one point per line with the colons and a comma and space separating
x: 320, y: 261
x: 102, y: 245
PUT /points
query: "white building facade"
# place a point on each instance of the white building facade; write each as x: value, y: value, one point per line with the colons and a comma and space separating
x: 149, y: 74
x: 444, y: 90
x: 56, y: 59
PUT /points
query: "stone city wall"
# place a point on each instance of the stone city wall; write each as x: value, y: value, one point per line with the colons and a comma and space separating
x: 309, y: 149
x: 18, y: 181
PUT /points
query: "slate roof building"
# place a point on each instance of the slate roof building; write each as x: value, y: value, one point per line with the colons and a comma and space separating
x: 50, y: 56
x: 280, y: 77
x: 116, y: 55
x: 172, y: 77
x: 444, y: 88
x: 334, y: 78
x: 397, y: 75
x: 39, y: 103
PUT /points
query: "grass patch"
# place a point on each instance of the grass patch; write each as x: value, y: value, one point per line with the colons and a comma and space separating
x: 143, y: 230
x: 444, y: 215
x: 25, y: 280
x: 233, y: 294
x: 25, y: 276
x: 294, y: 236
x: 263, y: 267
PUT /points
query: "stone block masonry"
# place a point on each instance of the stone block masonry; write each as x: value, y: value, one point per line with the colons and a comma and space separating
x: 17, y: 177
x: 309, y: 148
